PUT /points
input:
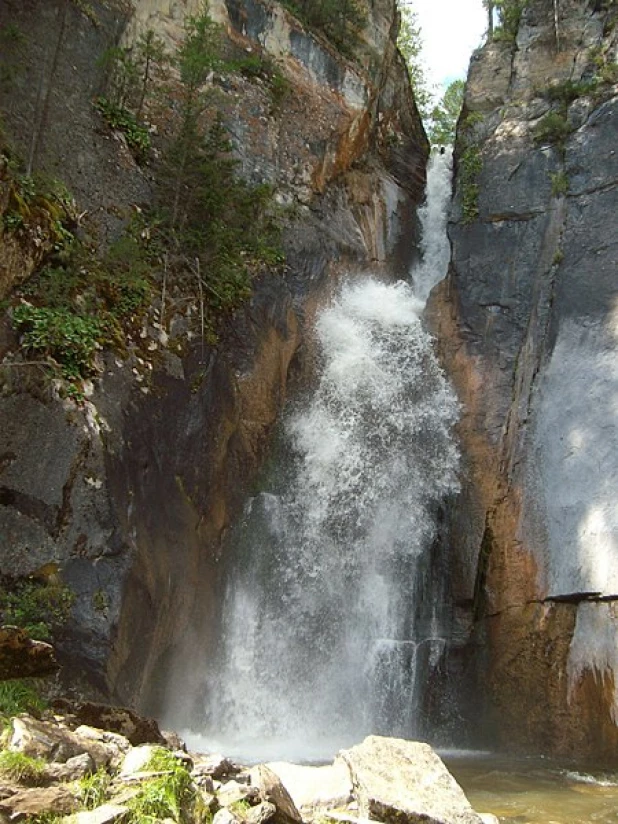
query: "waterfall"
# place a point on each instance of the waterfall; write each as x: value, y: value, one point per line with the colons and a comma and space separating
x: 327, y: 630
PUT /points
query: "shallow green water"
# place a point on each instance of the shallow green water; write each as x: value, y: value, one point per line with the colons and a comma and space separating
x: 536, y: 791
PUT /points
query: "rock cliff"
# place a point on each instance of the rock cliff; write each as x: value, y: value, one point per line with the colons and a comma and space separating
x: 129, y: 491
x: 527, y: 323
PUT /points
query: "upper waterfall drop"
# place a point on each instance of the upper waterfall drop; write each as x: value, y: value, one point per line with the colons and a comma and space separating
x: 326, y: 633
x: 434, y: 216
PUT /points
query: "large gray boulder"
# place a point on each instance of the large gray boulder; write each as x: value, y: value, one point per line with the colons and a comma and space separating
x: 272, y: 790
x: 316, y: 789
x: 405, y: 782
x: 52, y: 741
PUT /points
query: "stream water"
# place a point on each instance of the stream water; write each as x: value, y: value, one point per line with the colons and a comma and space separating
x: 535, y: 791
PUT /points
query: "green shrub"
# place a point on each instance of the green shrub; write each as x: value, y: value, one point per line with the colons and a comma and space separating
x: 83, y: 303
x: 470, y: 166
x: 36, y: 607
x: 12, y: 221
x: 17, y: 697
x: 554, y: 128
x: 569, y: 90
x: 121, y: 119
x: 168, y: 796
x: 509, y: 17
x: 93, y: 789
x: 341, y: 21
x: 69, y: 338
x: 15, y: 766
x: 559, y: 184
x: 263, y: 67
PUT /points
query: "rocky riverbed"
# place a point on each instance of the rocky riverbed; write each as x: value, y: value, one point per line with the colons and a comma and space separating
x: 93, y: 764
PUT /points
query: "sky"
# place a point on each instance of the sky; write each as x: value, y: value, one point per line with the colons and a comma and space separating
x: 451, y: 30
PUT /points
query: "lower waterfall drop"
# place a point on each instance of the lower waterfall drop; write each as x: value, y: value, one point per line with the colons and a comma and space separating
x: 325, y: 633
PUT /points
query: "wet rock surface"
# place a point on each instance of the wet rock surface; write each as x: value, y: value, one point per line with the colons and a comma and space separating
x: 526, y: 323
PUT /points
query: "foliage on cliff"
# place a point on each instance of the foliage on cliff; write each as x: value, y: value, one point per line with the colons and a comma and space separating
x: 444, y: 116
x: 410, y: 44
x: 339, y: 20
x: 201, y: 241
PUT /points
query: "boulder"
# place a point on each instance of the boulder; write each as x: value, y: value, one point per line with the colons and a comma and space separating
x: 21, y: 657
x: 137, y: 729
x: 107, y: 748
x: 232, y: 792
x: 43, y: 739
x: 105, y: 814
x: 315, y: 788
x: 404, y: 782
x: 136, y: 759
x: 39, y: 800
x: 225, y: 816
x: 261, y: 813
x: 209, y: 800
x: 216, y: 766
x: 52, y: 741
x: 73, y: 769
x: 272, y: 790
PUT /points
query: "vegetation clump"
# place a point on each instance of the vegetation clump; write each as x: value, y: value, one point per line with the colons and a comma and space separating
x: 569, y: 90
x: 15, y: 766
x: 36, y: 206
x: 340, y: 21
x: 122, y: 120
x: 444, y: 116
x: 470, y: 166
x: 38, y: 607
x: 18, y: 696
x: 509, y: 13
x: 168, y: 796
x: 94, y: 789
x: 260, y: 66
x: 559, y: 184
x: 208, y: 233
x: 553, y: 128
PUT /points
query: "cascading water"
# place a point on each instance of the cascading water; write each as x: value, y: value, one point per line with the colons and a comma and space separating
x: 325, y: 635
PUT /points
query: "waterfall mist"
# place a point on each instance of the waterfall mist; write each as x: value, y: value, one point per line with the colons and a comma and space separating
x: 326, y: 632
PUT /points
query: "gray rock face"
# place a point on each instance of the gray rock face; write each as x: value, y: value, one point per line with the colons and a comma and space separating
x: 528, y: 327
x: 399, y: 781
x: 131, y: 494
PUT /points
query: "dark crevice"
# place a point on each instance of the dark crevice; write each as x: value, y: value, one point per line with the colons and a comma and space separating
x: 30, y: 507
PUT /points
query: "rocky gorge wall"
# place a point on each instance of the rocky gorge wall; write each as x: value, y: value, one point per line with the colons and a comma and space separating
x: 527, y: 326
x: 130, y: 491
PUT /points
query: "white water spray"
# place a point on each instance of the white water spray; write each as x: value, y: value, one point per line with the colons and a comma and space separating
x: 325, y: 636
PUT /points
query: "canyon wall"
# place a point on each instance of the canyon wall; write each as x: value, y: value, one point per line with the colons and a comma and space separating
x: 129, y: 491
x: 528, y: 330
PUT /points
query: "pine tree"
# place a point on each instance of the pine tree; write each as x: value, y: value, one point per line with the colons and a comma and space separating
x: 444, y: 116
